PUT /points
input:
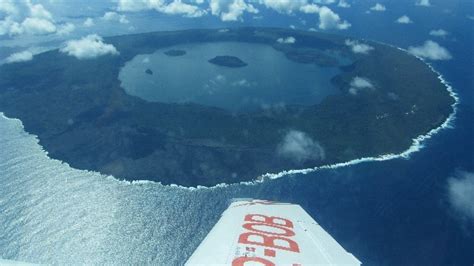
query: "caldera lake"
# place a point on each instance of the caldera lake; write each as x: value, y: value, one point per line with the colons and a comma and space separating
x: 269, y: 79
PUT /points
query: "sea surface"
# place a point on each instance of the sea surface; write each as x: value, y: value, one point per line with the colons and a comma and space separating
x: 395, y: 212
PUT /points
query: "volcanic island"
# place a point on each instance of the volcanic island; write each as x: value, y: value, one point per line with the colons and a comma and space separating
x: 382, y: 100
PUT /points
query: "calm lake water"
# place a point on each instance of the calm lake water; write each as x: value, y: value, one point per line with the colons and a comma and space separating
x: 269, y: 79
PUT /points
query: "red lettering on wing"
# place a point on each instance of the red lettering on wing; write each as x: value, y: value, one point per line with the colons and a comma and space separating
x: 269, y: 241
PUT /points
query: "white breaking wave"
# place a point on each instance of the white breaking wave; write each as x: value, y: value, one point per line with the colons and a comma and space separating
x: 417, y: 144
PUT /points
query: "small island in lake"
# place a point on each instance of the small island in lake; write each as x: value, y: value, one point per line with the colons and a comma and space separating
x: 149, y: 72
x: 175, y: 52
x: 227, y: 61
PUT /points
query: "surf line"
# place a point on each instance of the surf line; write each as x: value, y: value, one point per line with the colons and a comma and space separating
x: 417, y: 144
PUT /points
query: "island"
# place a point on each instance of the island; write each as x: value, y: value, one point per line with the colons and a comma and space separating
x: 227, y: 61
x: 148, y: 71
x: 82, y: 115
x: 174, y: 52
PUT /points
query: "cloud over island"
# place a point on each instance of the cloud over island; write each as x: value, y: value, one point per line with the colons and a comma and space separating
x: 299, y: 147
x: 357, y: 47
x: 287, y: 40
x: 19, y: 57
x: 359, y: 84
x: 430, y: 50
x: 88, y: 47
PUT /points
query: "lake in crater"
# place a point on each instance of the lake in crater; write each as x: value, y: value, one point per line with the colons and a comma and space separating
x: 269, y: 79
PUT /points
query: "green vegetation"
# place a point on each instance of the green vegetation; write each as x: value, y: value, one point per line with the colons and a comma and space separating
x: 83, y: 117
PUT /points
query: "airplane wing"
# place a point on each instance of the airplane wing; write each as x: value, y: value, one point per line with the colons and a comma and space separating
x: 258, y: 232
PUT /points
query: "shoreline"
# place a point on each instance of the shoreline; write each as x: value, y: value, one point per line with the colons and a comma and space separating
x: 417, y: 145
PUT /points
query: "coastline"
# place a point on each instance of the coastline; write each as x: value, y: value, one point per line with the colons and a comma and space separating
x: 417, y: 144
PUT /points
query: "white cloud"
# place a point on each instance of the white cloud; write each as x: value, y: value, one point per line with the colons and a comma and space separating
x: 4, y: 27
x: 299, y: 147
x: 330, y: 20
x: 359, y: 48
x: 287, y: 40
x: 24, y: 17
x: 231, y: 10
x: 430, y: 50
x: 88, y: 47
x: 423, y: 3
x: 325, y: 2
x: 139, y: 5
x: 343, y: 4
x: 8, y: 7
x: 215, y: 84
x: 38, y: 11
x: 36, y: 26
x: 285, y: 6
x: 378, y: 7
x: 65, y: 29
x: 19, y: 57
x: 310, y: 9
x: 114, y: 16
x: 359, y: 84
x: 439, y: 33
x: 89, y: 22
x: 404, y: 20
x: 177, y: 7
x: 461, y: 193
x: 8, y: 26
